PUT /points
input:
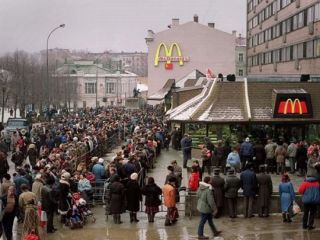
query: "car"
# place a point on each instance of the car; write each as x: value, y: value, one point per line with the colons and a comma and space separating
x: 17, y: 123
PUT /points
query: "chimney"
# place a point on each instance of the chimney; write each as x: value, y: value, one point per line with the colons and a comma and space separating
x: 175, y: 22
x: 195, y: 18
x: 211, y: 25
x: 150, y: 36
x: 234, y: 33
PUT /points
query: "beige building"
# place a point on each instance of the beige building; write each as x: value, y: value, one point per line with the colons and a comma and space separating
x: 95, y: 85
x: 283, y: 39
x: 183, y: 48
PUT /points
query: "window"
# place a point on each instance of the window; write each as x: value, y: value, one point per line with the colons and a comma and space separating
x: 284, y: 27
x: 276, y: 56
x: 310, y: 49
x: 240, y: 72
x: 240, y: 57
x: 295, y: 22
x: 288, y: 25
x: 294, y: 52
x: 301, y: 20
x: 310, y: 13
x: 90, y: 88
x: 274, y: 7
x: 283, y: 54
x: 317, y: 12
x: 317, y: 48
x: 110, y: 87
x: 301, y: 50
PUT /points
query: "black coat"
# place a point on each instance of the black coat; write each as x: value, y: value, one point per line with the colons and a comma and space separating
x: 302, y: 157
x: 32, y: 153
x: 48, y: 201
x: 152, y: 193
x: 249, y: 183
x: 217, y: 184
x: 64, y: 200
x: 117, y: 198
x: 134, y: 196
x: 265, y: 189
x: 231, y: 186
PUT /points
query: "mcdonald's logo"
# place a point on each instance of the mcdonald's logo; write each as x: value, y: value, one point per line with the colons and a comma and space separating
x: 168, y: 57
x: 295, y: 106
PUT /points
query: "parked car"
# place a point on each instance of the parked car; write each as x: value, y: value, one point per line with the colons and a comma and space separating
x: 16, y: 123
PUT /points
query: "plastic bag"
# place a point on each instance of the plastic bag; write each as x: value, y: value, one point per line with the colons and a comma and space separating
x: 296, y: 209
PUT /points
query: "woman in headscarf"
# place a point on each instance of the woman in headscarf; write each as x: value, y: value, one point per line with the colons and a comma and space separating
x: 117, y: 199
x: 287, y: 197
x: 134, y: 197
x: 64, y: 196
x: 152, y: 192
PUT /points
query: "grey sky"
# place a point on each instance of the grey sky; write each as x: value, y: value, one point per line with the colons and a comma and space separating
x: 98, y: 25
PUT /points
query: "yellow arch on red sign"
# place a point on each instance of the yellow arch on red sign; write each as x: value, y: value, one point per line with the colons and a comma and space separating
x: 168, y: 53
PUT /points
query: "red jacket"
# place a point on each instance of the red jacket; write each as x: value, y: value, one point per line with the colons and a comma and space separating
x: 194, y: 181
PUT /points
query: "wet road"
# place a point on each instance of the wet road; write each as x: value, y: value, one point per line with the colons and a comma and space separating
x: 238, y: 229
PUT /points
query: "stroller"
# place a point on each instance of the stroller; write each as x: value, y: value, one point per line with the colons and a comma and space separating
x: 79, y: 212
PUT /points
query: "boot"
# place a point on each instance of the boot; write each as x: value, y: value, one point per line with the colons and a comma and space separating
x: 115, y: 220
x: 134, y: 215
x: 149, y: 217
x: 131, y: 217
x: 152, y: 217
x: 288, y: 218
x: 284, y: 217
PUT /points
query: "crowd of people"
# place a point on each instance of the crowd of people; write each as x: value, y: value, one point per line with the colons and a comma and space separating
x: 254, y: 163
x: 57, y: 165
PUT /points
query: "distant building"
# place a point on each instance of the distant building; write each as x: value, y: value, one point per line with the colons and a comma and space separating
x: 283, y: 39
x: 113, y: 87
x: 241, y: 56
x: 183, y: 48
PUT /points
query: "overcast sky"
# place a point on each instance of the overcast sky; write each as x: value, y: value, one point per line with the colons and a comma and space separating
x: 99, y: 25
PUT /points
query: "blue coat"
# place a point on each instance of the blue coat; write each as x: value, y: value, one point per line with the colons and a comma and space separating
x: 98, y: 171
x: 186, y: 144
x: 287, y: 195
x: 249, y: 183
x: 233, y: 160
x: 246, y: 149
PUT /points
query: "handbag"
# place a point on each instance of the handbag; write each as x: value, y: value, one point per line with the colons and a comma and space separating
x: 295, y: 208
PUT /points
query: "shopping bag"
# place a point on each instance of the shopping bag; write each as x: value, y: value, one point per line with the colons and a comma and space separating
x: 296, y: 209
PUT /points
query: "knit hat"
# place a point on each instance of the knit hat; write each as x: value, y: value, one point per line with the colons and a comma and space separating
x: 134, y: 176
x: 101, y: 160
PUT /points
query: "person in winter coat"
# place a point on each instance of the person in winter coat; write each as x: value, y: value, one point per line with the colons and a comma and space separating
x: 310, y: 190
x: 169, y: 200
x: 194, y: 179
x: 287, y: 197
x: 206, y: 156
x: 231, y: 188
x: 312, y: 164
x: 259, y: 155
x: 64, y: 196
x: 10, y: 207
x: 207, y: 208
x: 17, y: 158
x: 219, y: 157
x: 246, y: 152
x: 49, y: 203
x: 84, y: 187
x: 270, y: 156
x: 186, y: 145
x: 98, y: 170
x: 32, y: 154
x: 233, y: 160
x: 292, y: 153
x: 134, y: 197
x: 302, y: 159
x: 217, y: 183
x: 249, y: 186
x: 152, y: 201
x: 264, y: 192
x: 37, y: 186
x: 117, y: 199
x: 280, y: 154
x: 4, y: 166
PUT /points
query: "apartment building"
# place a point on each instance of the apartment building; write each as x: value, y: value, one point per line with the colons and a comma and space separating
x: 283, y: 39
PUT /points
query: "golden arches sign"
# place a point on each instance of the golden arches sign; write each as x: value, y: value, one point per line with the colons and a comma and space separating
x: 293, y: 106
x: 168, y: 58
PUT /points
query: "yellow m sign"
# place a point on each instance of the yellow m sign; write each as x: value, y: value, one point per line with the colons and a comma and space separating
x: 168, y: 58
x: 293, y: 106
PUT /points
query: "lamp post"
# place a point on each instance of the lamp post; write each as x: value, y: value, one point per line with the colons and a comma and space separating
x: 47, y: 88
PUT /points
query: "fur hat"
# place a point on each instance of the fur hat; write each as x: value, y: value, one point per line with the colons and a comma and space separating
x: 134, y: 176
x: 101, y: 160
x: 65, y: 176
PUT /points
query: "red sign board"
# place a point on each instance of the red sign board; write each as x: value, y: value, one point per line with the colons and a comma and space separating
x: 293, y: 106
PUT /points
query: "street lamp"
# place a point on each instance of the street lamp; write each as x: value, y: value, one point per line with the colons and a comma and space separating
x: 60, y: 26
